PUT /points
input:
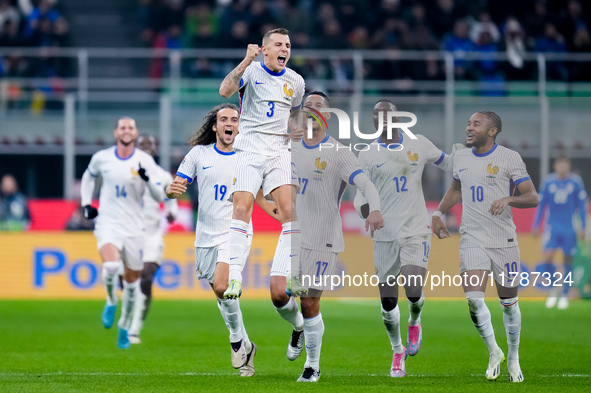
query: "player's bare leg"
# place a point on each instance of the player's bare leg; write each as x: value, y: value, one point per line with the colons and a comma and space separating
x: 480, y: 315
x: 391, y: 319
x: 111, y: 261
x: 143, y: 301
x: 313, y: 331
x: 512, y: 321
x: 243, y: 350
x: 414, y: 293
x: 243, y: 202
x: 131, y: 287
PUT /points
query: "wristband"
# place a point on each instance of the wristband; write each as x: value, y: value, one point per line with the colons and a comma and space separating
x: 437, y: 213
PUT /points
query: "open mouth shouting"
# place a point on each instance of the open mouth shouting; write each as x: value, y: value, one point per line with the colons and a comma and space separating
x: 281, y: 60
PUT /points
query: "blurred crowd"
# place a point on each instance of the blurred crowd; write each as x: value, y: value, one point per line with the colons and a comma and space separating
x: 514, y: 27
x: 31, y: 23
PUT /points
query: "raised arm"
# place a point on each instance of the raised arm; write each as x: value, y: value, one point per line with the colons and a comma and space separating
x: 451, y: 197
x: 231, y: 83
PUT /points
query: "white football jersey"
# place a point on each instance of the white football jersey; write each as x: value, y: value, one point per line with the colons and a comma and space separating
x: 266, y: 100
x: 397, y: 173
x: 151, y: 206
x: 486, y: 178
x: 120, y: 202
x: 323, y: 175
x: 212, y: 169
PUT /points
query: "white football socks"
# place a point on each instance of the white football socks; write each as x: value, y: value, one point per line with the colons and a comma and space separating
x: 391, y: 321
x: 288, y: 248
x: 415, y: 310
x: 481, y: 318
x: 313, y: 331
x: 230, y: 310
x: 142, y: 305
x: 512, y: 322
x: 237, y: 244
x: 109, y: 278
x: 291, y: 313
x: 130, y: 290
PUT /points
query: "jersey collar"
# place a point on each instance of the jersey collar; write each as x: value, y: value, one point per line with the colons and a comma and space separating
x: 318, y: 144
x: 398, y: 144
x: 485, y: 154
x: 126, y: 158
x: 273, y: 72
x: 223, y: 153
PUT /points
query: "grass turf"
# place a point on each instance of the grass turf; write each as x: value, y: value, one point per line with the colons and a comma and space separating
x: 61, y: 346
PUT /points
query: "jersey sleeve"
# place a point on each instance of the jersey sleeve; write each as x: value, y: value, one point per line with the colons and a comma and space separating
x: 300, y: 88
x: 188, y: 168
x: 455, y: 173
x: 517, y: 170
x: 433, y: 154
x: 348, y: 166
x: 94, y: 167
x: 246, y: 76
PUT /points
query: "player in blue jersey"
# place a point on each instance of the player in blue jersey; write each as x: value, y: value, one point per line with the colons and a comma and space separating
x: 563, y: 194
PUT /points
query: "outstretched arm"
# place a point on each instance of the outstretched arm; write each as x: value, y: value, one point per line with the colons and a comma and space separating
x: 231, y: 83
x: 268, y: 207
x: 451, y: 197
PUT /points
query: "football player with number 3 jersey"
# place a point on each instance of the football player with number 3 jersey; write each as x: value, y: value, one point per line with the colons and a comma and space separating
x: 270, y: 99
x: 484, y: 178
x: 125, y: 173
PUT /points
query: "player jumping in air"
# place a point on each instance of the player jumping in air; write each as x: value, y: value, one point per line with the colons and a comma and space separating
x: 484, y: 178
x: 210, y: 163
x: 154, y: 244
x: 563, y: 193
x: 323, y: 176
x: 270, y: 98
x: 402, y: 247
x: 125, y: 173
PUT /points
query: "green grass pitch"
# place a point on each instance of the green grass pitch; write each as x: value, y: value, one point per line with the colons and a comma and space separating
x: 61, y: 346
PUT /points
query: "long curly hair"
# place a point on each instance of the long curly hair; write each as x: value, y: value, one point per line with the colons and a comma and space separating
x: 205, y: 134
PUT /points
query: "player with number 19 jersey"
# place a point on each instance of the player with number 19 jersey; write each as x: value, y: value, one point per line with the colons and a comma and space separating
x: 212, y: 170
x: 486, y: 178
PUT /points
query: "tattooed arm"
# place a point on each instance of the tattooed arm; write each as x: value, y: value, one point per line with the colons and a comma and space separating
x: 231, y: 82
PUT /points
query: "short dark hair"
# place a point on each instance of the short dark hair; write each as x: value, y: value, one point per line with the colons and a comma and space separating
x: 562, y: 157
x: 279, y: 30
x: 319, y: 93
x: 385, y: 100
x: 122, y: 118
x: 495, y: 119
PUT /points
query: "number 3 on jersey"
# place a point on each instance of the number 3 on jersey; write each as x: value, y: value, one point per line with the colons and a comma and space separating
x: 271, y: 109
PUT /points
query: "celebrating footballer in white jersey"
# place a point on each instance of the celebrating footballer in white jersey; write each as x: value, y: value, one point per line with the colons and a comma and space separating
x: 154, y: 240
x: 484, y: 178
x: 125, y: 173
x: 396, y: 167
x: 270, y: 96
x: 210, y: 164
x: 323, y: 175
